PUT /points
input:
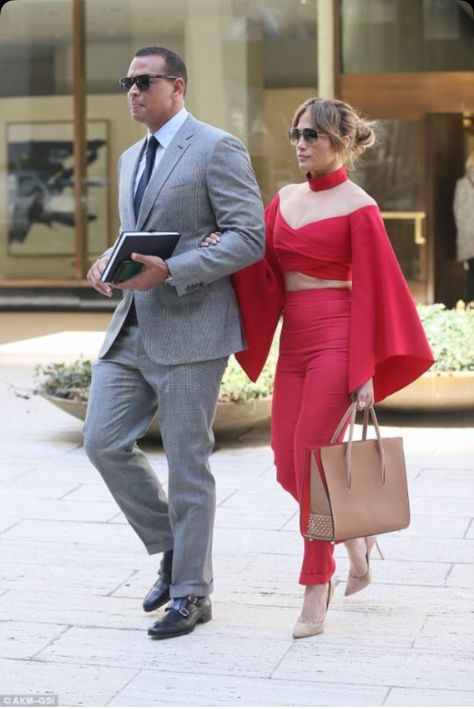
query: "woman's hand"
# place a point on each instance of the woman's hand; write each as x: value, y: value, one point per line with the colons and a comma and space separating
x: 364, y: 395
x: 212, y: 239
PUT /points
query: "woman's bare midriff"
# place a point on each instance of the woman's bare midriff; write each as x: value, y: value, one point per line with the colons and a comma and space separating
x: 300, y: 281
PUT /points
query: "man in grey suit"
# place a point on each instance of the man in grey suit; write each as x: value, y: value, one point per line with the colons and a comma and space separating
x: 170, y: 337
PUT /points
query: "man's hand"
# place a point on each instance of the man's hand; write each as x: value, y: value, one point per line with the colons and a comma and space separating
x: 154, y: 272
x: 94, y: 274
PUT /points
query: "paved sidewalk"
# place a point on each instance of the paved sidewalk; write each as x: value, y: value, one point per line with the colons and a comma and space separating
x: 73, y: 575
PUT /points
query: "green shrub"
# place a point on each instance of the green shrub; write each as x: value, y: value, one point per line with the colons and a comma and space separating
x: 67, y: 381
x: 451, y: 336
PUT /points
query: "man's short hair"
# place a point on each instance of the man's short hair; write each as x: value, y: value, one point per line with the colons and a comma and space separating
x: 175, y: 66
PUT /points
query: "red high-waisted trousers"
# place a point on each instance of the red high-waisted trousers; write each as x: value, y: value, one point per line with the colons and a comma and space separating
x: 310, y: 396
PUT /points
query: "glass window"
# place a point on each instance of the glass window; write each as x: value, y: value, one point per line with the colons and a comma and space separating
x: 392, y: 173
x: 250, y: 63
x: 36, y: 133
x: 381, y: 36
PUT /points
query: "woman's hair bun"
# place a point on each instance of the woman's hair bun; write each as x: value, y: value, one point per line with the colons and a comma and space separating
x: 364, y: 135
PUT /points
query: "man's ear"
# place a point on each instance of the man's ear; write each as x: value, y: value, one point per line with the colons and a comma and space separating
x: 179, y: 86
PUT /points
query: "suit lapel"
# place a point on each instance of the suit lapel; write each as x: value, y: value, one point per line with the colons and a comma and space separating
x: 128, y: 170
x: 173, y: 154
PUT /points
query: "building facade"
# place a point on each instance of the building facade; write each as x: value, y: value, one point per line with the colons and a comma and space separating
x: 64, y: 121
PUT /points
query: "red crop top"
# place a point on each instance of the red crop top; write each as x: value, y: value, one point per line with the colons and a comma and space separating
x: 341, y: 237
x: 320, y: 248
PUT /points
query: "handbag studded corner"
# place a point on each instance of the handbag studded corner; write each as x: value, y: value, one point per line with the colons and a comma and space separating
x: 320, y: 527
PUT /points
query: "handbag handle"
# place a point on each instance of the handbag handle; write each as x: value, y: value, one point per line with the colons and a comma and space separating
x: 352, y: 412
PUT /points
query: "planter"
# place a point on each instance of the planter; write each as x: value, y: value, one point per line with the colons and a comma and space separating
x: 231, y: 418
x: 435, y: 391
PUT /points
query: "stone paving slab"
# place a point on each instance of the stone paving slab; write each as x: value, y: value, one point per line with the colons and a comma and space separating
x: 74, y: 684
x: 75, y: 607
x: 361, y: 665
x: 90, y: 492
x: 461, y: 575
x: 86, y: 533
x: 444, y: 505
x: 14, y: 471
x: 152, y: 688
x: 57, y: 510
x: 435, y: 460
x: 408, y: 548
x: 38, y: 488
x: 7, y: 524
x: 434, y: 526
x: 212, y: 653
x: 103, y: 580
x: 76, y: 553
x: 456, y: 483
x: 412, y: 599
x: 19, y: 640
x: 456, y: 629
x: 426, y: 698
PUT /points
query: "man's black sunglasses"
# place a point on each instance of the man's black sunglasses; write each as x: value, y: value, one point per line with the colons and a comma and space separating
x: 310, y: 135
x: 142, y: 81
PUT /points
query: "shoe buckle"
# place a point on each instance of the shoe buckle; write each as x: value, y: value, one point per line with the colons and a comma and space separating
x: 184, y: 612
x: 193, y: 599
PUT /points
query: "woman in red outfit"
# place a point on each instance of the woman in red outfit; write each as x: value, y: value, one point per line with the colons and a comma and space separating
x: 350, y: 328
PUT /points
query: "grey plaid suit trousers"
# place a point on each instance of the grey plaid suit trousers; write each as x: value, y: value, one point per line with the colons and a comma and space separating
x: 127, y: 388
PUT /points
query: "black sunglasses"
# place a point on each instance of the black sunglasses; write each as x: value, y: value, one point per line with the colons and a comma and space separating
x: 310, y: 135
x: 142, y: 81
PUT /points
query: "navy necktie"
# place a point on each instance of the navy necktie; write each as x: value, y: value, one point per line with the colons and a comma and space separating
x: 145, y: 178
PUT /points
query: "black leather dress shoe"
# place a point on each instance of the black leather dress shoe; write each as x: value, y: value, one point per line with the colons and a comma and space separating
x: 182, y: 616
x: 159, y: 594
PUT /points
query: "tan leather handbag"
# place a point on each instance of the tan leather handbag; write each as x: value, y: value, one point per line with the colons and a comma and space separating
x: 364, y: 490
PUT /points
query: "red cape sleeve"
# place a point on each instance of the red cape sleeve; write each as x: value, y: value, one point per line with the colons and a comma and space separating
x: 387, y: 340
x: 259, y: 289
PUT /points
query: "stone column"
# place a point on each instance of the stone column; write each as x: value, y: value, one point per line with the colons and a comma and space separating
x: 326, y: 43
x: 203, y: 51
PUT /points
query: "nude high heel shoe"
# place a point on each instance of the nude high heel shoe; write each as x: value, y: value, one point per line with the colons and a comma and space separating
x: 306, y: 629
x: 355, y: 584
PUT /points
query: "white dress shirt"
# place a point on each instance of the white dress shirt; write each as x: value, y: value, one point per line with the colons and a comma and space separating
x: 164, y: 136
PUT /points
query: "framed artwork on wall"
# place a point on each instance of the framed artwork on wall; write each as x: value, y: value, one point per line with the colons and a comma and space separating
x: 41, y: 188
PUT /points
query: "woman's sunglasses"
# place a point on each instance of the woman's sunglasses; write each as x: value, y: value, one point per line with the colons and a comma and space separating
x: 309, y: 135
x: 142, y: 81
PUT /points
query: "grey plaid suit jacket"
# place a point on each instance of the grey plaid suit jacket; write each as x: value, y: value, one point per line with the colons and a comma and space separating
x: 203, y: 183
